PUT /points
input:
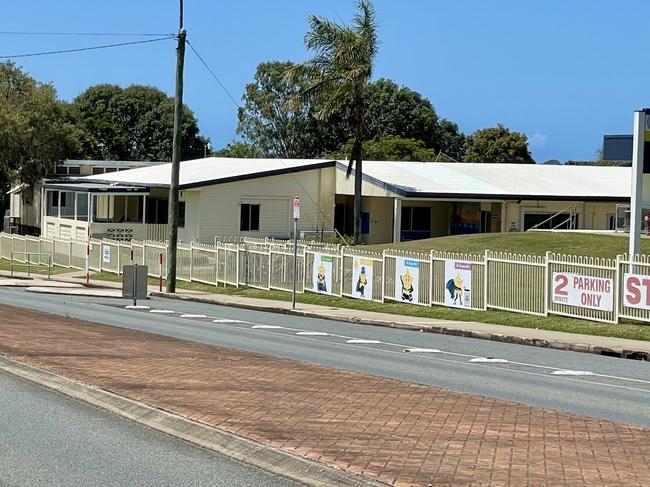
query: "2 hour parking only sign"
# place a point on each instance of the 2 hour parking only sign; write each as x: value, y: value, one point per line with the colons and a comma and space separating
x: 583, y: 291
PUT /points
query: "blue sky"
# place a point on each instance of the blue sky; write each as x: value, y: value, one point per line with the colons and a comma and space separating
x: 563, y: 72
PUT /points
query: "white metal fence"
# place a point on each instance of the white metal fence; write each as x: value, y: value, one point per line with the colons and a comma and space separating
x: 588, y: 288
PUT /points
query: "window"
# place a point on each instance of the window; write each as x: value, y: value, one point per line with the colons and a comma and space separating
x: 98, y: 170
x: 249, y: 218
x: 74, y: 170
x: 61, y: 170
x: 181, y: 214
x: 110, y: 169
x: 416, y: 218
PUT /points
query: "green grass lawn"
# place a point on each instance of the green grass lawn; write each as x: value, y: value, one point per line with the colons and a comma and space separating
x: 631, y: 330
x: 536, y: 243
x: 5, y: 265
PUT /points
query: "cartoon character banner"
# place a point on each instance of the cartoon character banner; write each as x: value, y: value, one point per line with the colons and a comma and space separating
x: 407, y: 273
x: 322, y: 273
x: 362, y: 278
x: 458, y: 282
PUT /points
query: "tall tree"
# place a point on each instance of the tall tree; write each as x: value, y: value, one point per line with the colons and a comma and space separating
x: 133, y: 124
x: 34, y: 134
x: 498, y: 144
x: 338, y: 75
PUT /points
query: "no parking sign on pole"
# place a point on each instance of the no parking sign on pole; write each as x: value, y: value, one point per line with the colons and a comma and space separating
x: 296, y: 215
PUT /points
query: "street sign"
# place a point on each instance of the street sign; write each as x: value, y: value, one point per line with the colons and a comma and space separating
x: 296, y: 208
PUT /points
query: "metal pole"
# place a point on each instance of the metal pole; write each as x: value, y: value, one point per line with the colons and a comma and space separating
x: 295, y: 261
x: 160, y: 273
x: 637, y: 182
x: 135, y: 284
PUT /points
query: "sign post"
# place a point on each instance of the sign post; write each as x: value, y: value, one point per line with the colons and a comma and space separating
x: 296, y: 215
x: 640, y: 167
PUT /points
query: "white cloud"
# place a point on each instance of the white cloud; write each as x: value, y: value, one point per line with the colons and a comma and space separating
x: 537, y: 140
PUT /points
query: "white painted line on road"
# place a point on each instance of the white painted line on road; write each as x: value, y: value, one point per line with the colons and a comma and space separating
x: 193, y: 316
x: 313, y: 333
x: 572, y: 372
x: 489, y: 360
x: 227, y: 320
x: 361, y: 340
x: 266, y: 327
x: 423, y: 350
x: 162, y: 311
x: 136, y: 306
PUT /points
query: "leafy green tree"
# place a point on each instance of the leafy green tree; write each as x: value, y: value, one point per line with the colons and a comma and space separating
x: 278, y: 124
x: 552, y: 162
x: 240, y: 150
x: 132, y: 124
x: 498, y: 144
x: 392, y: 148
x: 34, y: 134
x: 338, y: 76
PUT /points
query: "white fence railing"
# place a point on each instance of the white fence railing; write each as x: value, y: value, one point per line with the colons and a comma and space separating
x: 588, y: 288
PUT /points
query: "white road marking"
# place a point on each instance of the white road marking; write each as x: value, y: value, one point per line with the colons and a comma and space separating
x: 361, y: 340
x: 227, y: 320
x: 266, y: 327
x: 162, y: 311
x: 489, y: 360
x: 136, y: 306
x: 313, y: 333
x: 423, y: 350
x: 572, y: 372
x: 193, y: 316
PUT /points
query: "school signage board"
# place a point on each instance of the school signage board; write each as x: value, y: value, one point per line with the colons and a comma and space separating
x: 362, y: 278
x: 458, y: 281
x: 322, y: 273
x: 636, y: 291
x: 106, y: 254
x: 583, y: 291
x: 407, y: 280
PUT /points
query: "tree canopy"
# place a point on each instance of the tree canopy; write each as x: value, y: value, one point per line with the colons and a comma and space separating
x: 34, y: 134
x: 498, y: 144
x: 132, y: 124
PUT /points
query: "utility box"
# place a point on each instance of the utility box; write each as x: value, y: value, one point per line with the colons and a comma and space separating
x: 135, y: 280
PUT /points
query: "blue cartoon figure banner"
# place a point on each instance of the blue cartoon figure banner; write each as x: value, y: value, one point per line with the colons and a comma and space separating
x: 458, y: 282
x: 362, y: 278
x: 407, y: 280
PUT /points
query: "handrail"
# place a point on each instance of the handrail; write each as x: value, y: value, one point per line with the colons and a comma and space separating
x: 572, y: 213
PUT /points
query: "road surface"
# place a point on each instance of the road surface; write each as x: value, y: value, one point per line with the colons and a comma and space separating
x: 593, y: 385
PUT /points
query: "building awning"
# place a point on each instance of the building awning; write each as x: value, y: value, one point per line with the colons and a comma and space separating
x: 96, y: 188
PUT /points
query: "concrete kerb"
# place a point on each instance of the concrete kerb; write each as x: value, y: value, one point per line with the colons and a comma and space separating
x: 267, y: 458
x: 430, y: 328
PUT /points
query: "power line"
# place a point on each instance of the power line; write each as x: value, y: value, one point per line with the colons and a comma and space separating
x: 99, y: 34
x: 80, y: 49
x: 214, y: 75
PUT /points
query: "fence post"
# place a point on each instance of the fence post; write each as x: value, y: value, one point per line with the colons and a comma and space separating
x: 191, y: 258
x: 431, y: 277
x: 547, y: 294
x: 485, y: 279
x: 69, y: 254
x: 101, y: 254
x: 237, y: 266
x: 119, y: 251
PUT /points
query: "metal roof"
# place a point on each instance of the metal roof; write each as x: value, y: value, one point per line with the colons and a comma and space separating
x: 208, y: 171
x: 502, y: 181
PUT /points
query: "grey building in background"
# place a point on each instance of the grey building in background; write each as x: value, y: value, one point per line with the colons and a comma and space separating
x: 617, y: 148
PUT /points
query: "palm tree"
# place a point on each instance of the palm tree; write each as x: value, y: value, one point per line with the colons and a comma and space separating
x: 337, y: 77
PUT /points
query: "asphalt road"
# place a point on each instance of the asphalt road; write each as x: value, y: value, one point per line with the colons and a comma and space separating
x: 47, y: 439
x: 598, y: 386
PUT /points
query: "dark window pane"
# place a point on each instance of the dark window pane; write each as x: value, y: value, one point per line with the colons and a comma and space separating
x: 111, y: 169
x: 60, y: 170
x: 163, y: 211
x: 244, y: 222
x: 98, y: 170
x: 406, y: 218
x: 421, y: 218
x: 255, y: 217
x: 181, y: 214
x: 74, y: 170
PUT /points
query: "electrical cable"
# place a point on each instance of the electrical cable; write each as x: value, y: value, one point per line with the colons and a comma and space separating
x: 100, y: 34
x: 80, y: 49
x: 214, y: 75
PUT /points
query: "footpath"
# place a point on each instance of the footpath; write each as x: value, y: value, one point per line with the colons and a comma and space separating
x: 365, y: 430
x: 610, y: 346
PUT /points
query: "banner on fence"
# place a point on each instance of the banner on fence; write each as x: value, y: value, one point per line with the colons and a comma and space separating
x: 362, y: 277
x: 106, y: 254
x: 458, y: 281
x: 583, y: 291
x: 407, y: 273
x: 322, y: 273
x: 636, y: 291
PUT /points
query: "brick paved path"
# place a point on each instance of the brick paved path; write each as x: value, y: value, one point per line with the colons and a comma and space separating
x: 396, y: 432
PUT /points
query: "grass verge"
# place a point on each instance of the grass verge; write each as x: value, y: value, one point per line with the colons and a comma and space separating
x: 5, y: 265
x: 628, y: 329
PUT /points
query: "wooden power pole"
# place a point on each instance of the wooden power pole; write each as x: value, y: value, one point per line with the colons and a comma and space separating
x: 172, y: 218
